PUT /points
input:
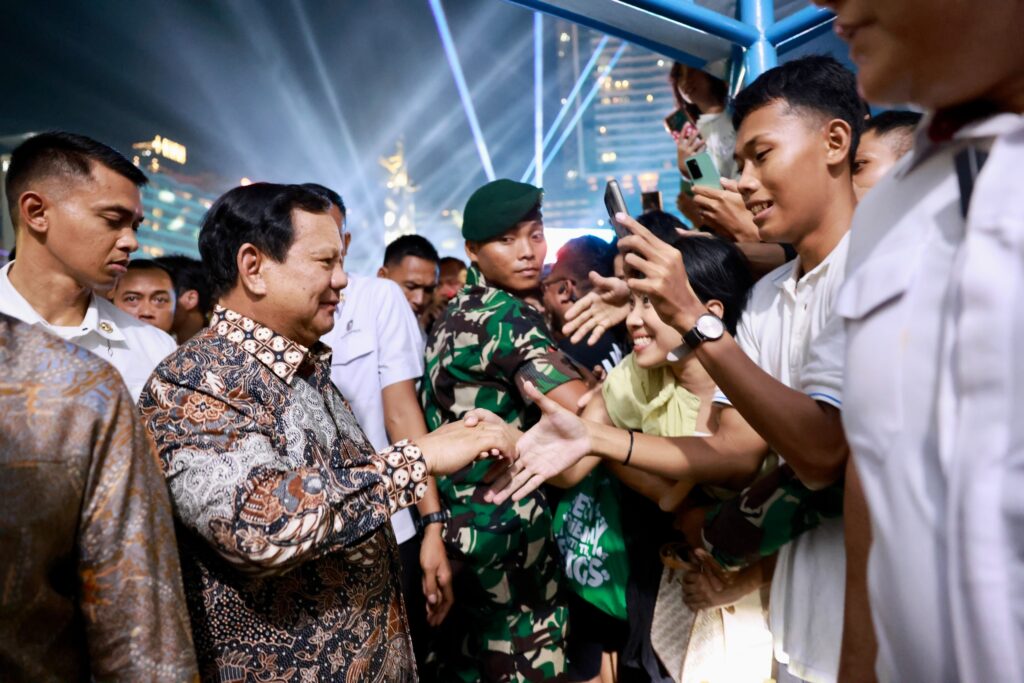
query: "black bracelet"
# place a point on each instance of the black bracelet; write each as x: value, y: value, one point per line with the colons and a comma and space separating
x: 629, y: 453
x: 439, y: 517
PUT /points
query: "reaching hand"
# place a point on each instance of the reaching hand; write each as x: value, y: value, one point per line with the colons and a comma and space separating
x: 437, y: 576
x: 599, y: 311
x: 688, y: 143
x: 665, y: 282
x: 554, y: 444
x: 725, y: 212
x: 706, y: 584
x: 453, y: 446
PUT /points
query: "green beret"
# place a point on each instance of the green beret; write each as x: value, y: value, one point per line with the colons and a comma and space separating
x: 496, y: 207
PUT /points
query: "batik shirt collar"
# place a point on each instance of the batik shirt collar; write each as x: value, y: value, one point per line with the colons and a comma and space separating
x: 281, y: 355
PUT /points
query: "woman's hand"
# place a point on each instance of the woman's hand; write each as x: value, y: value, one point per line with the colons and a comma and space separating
x: 598, y: 311
x: 554, y: 444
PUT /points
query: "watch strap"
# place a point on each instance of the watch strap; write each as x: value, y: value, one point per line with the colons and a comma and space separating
x: 439, y: 517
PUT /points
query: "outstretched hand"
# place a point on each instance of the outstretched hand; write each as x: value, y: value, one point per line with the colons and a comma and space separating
x: 664, y: 280
x: 598, y: 311
x: 481, y: 434
x: 554, y: 444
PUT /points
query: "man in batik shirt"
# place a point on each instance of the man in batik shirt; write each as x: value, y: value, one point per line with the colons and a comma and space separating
x: 488, y: 344
x: 88, y: 563
x: 290, y: 565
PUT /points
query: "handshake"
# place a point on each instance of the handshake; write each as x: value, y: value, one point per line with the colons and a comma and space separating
x: 522, y: 461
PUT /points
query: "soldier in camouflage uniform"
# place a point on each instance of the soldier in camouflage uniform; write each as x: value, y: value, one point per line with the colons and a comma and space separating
x: 486, y: 346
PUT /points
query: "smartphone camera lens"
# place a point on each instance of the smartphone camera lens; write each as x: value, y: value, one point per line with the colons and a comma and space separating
x: 694, y: 168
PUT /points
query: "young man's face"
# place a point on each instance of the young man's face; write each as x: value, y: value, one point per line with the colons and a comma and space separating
x: 303, y: 291
x: 876, y: 154
x: 90, y: 225
x: 147, y: 294
x: 784, y: 156
x: 513, y: 260
x: 936, y: 53
x: 417, y: 277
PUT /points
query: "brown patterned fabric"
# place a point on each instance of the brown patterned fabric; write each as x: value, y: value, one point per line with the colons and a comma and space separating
x: 290, y: 565
x: 89, y: 579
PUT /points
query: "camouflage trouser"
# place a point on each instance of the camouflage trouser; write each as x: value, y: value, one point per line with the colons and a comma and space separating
x: 508, y: 590
x: 768, y: 514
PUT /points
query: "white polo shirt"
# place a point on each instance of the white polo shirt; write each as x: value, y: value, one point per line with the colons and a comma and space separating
x: 790, y: 331
x: 934, y: 310
x: 133, y: 347
x: 376, y: 342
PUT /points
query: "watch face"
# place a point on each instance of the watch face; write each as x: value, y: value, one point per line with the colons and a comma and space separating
x: 710, y: 326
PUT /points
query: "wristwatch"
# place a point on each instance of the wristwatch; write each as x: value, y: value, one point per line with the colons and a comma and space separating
x: 709, y: 327
x: 439, y: 517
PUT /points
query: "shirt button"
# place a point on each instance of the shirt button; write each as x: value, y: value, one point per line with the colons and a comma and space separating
x: 105, y: 326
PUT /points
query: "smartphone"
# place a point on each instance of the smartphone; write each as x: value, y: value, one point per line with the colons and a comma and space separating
x: 614, y: 202
x: 702, y: 171
x: 675, y: 121
x: 650, y: 201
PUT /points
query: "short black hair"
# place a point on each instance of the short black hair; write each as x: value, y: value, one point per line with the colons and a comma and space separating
x: 58, y: 153
x: 188, y: 274
x: 816, y: 84
x: 587, y: 253
x: 662, y: 224
x: 259, y: 214
x: 895, y: 122
x: 328, y: 194
x: 410, y: 245
x: 451, y: 261
x: 148, y: 264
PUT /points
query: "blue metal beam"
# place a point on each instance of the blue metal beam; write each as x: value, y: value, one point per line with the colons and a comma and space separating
x: 701, y: 18
x: 669, y: 51
x: 797, y: 23
x: 761, y: 55
x: 460, y: 83
x: 806, y: 37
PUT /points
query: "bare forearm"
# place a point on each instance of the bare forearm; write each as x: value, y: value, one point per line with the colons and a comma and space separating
x: 806, y: 433
x: 860, y: 648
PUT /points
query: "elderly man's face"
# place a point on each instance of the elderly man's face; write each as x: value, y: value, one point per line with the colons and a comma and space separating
x: 303, y: 291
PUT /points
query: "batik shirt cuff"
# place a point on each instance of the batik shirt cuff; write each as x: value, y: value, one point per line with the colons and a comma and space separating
x: 404, y: 472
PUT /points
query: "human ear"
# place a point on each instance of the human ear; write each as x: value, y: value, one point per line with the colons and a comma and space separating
x: 471, y: 250
x: 32, y: 208
x: 838, y: 138
x: 715, y: 306
x: 189, y: 300
x: 251, y: 261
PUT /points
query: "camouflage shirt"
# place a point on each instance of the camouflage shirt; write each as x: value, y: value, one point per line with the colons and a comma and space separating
x: 487, y: 345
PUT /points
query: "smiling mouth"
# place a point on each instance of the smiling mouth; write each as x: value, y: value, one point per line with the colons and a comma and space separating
x: 642, y: 342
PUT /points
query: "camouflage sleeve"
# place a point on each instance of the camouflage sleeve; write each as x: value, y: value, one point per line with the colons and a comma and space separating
x: 526, y: 351
x: 768, y: 514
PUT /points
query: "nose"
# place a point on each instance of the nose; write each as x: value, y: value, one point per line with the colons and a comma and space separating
x: 128, y: 241
x: 633, y: 319
x: 145, y: 311
x: 339, y: 278
x: 748, y: 183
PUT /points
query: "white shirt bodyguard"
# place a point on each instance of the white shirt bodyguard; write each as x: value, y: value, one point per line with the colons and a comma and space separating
x: 934, y: 309
x: 375, y: 342
x: 133, y: 347
x: 790, y: 331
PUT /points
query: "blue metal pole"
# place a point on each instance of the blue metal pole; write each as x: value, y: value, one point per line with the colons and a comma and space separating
x: 701, y: 18
x: 796, y: 23
x: 760, y: 55
x: 584, y: 74
x: 460, y: 83
x: 578, y: 114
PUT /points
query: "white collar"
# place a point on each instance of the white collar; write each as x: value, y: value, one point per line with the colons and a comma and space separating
x: 790, y: 280
x: 990, y: 127
x: 97, y: 316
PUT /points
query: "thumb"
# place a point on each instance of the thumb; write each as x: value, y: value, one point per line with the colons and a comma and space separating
x: 599, y: 280
x: 730, y: 185
x: 546, y: 405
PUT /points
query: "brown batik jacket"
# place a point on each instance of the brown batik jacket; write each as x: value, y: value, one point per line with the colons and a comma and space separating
x: 290, y: 565
x: 89, y: 577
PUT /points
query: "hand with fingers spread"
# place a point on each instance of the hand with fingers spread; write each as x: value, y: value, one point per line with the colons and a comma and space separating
x: 451, y: 447
x: 664, y: 281
x: 554, y: 444
x: 724, y: 211
x: 604, y: 307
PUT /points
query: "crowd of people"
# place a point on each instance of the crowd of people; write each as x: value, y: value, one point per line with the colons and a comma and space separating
x: 774, y: 440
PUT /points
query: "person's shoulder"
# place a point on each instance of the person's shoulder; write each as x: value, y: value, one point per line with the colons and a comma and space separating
x: 134, y: 330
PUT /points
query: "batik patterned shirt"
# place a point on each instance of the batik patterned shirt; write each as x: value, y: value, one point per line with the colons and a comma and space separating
x: 290, y: 565
x: 90, y: 586
x: 487, y: 345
